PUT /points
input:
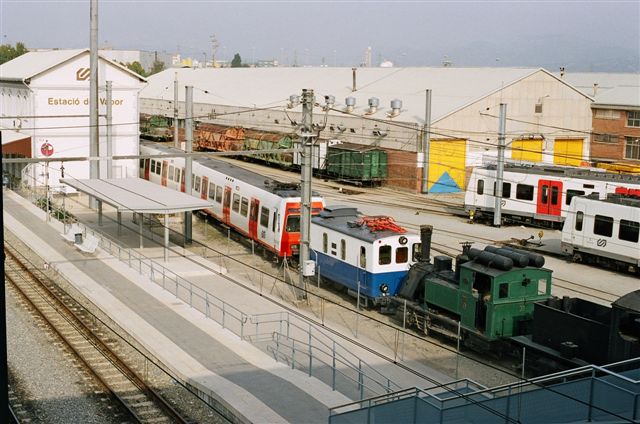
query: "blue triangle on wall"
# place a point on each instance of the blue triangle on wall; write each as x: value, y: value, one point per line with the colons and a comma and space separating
x: 445, y: 184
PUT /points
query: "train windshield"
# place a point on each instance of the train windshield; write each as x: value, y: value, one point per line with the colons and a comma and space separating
x: 293, y: 224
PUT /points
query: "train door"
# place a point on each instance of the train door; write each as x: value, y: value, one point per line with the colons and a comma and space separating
x: 226, y: 205
x: 163, y: 175
x: 146, y: 168
x: 205, y: 188
x: 253, y: 218
x: 549, y: 197
x: 182, y: 186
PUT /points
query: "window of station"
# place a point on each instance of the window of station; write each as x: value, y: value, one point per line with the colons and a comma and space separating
x: 384, y: 255
x: 212, y: 191
x: 603, y: 225
x: 244, y: 207
x: 325, y: 242
x: 264, y: 217
x: 363, y: 257
x: 629, y: 230
x: 633, y: 118
x: 236, y: 203
x: 196, y: 187
x: 571, y: 194
x: 632, y: 148
x: 579, y: 220
x: 219, y: 194
x: 480, y: 188
x: 524, y: 192
x: 171, y: 172
x: 343, y: 249
x: 402, y: 255
x: 293, y: 224
x: 415, y: 255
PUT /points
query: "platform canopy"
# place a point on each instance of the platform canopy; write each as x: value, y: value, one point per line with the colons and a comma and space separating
x: 137, y: 195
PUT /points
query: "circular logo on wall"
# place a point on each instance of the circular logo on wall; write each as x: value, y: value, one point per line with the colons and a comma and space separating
x: 46, y: 149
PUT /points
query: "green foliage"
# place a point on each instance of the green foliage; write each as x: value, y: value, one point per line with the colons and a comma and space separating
x: 7, y: 52
x: 137, y: 68
x: 158, y: 66
x: 236, y: 62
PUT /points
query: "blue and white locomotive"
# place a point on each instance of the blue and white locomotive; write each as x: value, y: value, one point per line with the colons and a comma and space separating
x: 369, y: 255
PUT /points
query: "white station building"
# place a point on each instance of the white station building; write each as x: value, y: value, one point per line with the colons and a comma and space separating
x: 45, y: 97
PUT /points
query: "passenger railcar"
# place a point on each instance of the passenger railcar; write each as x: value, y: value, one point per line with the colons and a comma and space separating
x: 604, y: 231
x: 368, y: 255
x: 260, y: 208
x: 538, y: 194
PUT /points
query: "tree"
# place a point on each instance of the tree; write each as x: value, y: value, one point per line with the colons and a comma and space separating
x: 137, y: 68
x: 7, y: 52
x: 158, y: 66
x: 237, y: 61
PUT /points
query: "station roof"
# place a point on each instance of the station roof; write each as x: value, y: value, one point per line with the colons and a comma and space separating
x: 607, y: 88
x: 137, y: 195
x: 453, y: 88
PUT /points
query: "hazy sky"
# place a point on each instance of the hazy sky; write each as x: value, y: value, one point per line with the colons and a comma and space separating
x: 581, y: 35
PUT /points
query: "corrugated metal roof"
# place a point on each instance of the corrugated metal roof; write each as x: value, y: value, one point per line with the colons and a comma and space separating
x: 31, y: 64
x: 612, y: 88
x: 138, y: 195
x: 452, y: 88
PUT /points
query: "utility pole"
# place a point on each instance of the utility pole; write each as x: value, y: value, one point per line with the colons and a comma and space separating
x: 94, y: 169
x: 426, y: 143
x: 306, y: 140
x: 109, y: 130
x: 188, y: 137
x: 214, y: 47
x: 497, y: 215
x: 176, y: 140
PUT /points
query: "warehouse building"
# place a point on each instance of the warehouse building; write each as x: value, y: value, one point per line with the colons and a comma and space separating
x: 548, y: 120
x: 45, y: 98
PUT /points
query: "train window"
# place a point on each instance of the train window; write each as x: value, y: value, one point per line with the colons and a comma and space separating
x: 219, y: 194
x: 244, y: 207
x: 177, y: 176
x: 402, y: 255
x: 579, y: 220
x: 629, y: 230
x: 171, y: 172
x: 212, y: 191
x: 591, y: 186
x: 193, y: 181
x: 506, y: 190
x: 524, y: 192
x: 158, y: 167
x: 544, y: 196
x: 264, y: 217
x: 343, y: 249
x: 554, y: 195
x: 153, y: 166
x: 141, y: 164
x: 503, y: 291
x: 603, y: 225
x: 629, y: 328
x: 384, y: 255
x: 196, y: 186
x: 480, y: 188
x: 571, y: 194
x: 236, y: 204
x: 325, y: 242
x: 273, y: 223
x: 363, y: 257
x: 415, y: 255
x: 293, y: 224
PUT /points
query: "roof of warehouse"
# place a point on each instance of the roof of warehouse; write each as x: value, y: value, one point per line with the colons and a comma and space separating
x: 137, y: 195
x: 452, y: 88
x: 31, y: 64
x: 621, y: 89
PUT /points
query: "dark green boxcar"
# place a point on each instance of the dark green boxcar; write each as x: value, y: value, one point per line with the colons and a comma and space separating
x: 356, y: 163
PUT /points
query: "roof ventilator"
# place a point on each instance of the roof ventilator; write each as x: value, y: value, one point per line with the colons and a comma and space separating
x: 396, y: 106
x: 374, y: 102
x: 351, y: 103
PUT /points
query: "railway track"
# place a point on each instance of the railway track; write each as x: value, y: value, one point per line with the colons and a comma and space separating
x: 84, y: 336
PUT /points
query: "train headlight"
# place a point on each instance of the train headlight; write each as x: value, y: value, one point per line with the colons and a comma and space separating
x: 384, y: 288
x: 402, y: 240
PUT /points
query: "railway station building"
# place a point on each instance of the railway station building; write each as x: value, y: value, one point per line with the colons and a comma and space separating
x: 548, y: 120
x: 45, y: 112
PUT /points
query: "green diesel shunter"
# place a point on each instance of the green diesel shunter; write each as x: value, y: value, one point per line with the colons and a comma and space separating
x: 489, y: 295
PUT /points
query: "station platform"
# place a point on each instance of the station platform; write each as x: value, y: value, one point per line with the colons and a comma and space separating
x: 201, y: 352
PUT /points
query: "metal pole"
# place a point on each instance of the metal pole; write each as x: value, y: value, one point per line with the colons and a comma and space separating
x: 524, y: 355
x: 166, y: 237
x: 458, y: 351
x: 188, y: 137
x: 109, y: 130
x: 306, y: 140
x: 497, y: 215
x: 94, y: 169
x: 46, y: 192
x: 176, y: 140
x: 141, y: 218
x: 358, y: 309
x: 426, y: 142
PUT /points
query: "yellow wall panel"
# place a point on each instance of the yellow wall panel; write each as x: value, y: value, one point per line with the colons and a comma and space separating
x: 567, y: 152
x: 447, y: 159
x: 527, y: 150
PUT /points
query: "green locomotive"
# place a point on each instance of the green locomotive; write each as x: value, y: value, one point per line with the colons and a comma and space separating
x: 490, y: 295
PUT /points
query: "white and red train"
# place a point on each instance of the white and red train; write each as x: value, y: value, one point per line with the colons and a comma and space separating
x: 540, y: 194
x: 258, y: 207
